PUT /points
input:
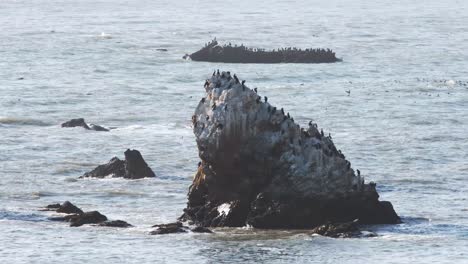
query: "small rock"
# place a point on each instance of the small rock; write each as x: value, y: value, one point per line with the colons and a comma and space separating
x: 114, y: 167
x: 77, y: 122
x: 80, y: 122
x: 93, y: 217
x: 348, y: 229
x: 200, y: 229
x: 115, y: 223
x: 168, y: 229
x: 69, y: 208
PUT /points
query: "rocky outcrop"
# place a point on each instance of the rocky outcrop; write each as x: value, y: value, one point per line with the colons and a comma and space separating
x: 133, y: 167
x: 80, y: 122
x: 259, y: 168
x: 76, y: 217
x: 213, y: 52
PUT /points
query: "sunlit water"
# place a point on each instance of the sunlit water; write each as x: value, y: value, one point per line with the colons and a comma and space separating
x: 404, y: 125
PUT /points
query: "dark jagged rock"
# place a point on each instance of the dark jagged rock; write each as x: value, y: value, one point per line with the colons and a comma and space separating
x: 114, y: 167
x: 134, y: 167
x: 65, y: 218
x: 168, y: 229
x: 200, y: 229
x: 69, y: 208
x: 92, y: 217
x: 115, y: 223
x: 213, y: 52
x: 262, y: 169
x: 80, y: 122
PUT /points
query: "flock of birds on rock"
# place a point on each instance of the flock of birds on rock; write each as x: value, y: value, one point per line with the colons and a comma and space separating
x: 234, y: 53
x: 328, y: 149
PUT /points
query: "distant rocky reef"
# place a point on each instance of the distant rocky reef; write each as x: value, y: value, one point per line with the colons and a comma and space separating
x: 260, y: 168
x: 213, y: 52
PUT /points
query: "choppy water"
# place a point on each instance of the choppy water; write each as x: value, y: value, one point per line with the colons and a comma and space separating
x: 404, y: 126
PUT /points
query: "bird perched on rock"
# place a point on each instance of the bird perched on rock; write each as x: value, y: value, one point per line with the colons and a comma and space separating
x: 203, y: 100
x: 321, y: 132
x: 258, y: 99
x: 235, y: 78
x: 266, y: 99
x: 213, y: 106
x: 282, y: 111
x: 255, y: 90
x: 217, y: 72
x: 206, y: 84
x: 358, y: 172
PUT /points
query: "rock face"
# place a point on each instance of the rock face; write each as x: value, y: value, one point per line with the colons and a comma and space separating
x: 258, y: 167
x: 80, y: 122
x: 133, y: 167
x: 213, y: 52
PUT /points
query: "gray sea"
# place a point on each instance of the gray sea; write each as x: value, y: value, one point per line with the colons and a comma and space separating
x: 404, y: 124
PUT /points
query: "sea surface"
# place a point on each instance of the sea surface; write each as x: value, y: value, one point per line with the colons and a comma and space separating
x: 404, y: 124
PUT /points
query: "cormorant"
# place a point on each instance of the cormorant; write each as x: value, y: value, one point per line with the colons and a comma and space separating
x: 206, y: 83
x: 213, y: 106
x: 266, y: 99
x: 288, y: 115
x: 255, y: 89
x: 321, y: 132
x: 282, y: 111
x: 329, y: 135
x: 199, y: 163
x: 214, y: 72
x: 358, y: 172
x: 310, y: 123
x: 217, y: 72
x: 258, y: 99
x: 203, y: 100
x: 235, y: 78
x: 207, y: 118
x: 274, y: 110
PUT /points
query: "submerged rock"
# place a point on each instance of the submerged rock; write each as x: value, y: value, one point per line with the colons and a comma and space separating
x: 133, y: 167
x: 213, y: 52
x: 116, y: 223
x: 169, y: 229
x: 349, y: 229
x: 259, y: 167
x: 80, y: 122
x: 200, y: 229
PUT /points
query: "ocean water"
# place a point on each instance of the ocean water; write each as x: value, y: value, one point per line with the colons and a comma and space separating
x: 404, y: 124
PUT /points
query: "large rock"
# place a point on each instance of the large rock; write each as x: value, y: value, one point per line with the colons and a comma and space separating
x: 92, y: 217
x: 259, y: 167
x: 80, y: 122
x: 213, y: 52
x: 133, y: 167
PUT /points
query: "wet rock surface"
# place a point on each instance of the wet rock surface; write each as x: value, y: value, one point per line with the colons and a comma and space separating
x: 92, y: 217
x: 133, y: 167
x: 76, y: 217
x: 116, y: 223
x: 213, y: 52
x: 345, y: 230
x: 259, y: 167
x: 80, y: 122
x: 170, y: 228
